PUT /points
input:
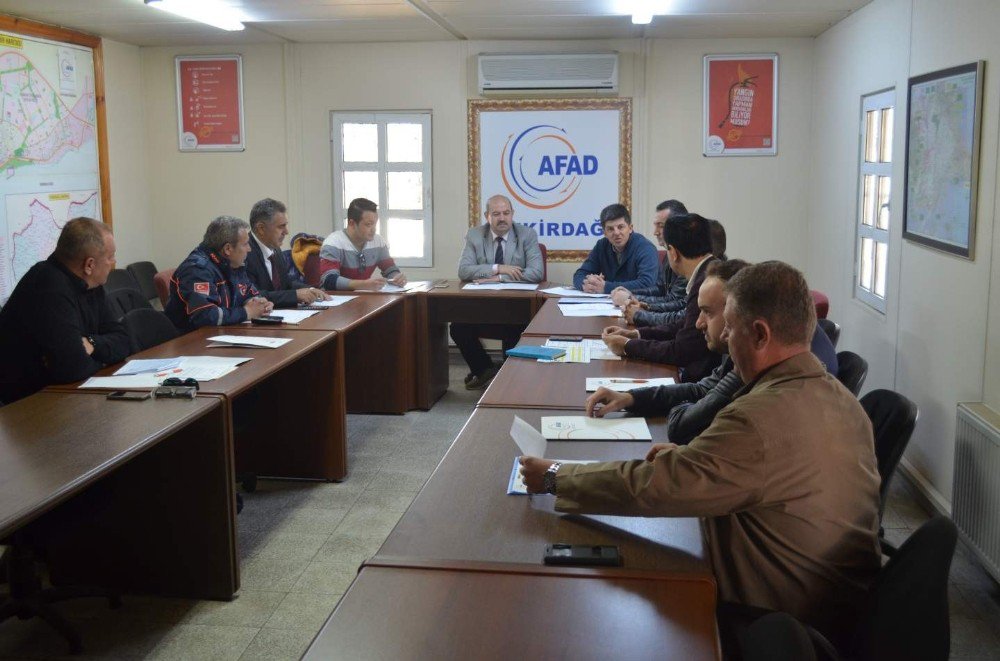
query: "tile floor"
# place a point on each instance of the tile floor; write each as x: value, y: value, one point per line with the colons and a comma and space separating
x: 301, y: 543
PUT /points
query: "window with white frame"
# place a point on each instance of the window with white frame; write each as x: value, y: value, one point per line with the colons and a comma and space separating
x: 874, y: 192
x: 386, y: 157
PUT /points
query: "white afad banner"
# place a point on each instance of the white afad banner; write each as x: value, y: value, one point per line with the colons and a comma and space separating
x: 559, y: 167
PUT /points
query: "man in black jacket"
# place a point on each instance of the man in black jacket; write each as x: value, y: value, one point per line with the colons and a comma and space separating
x: 57, y: 326
x: 266, y: 264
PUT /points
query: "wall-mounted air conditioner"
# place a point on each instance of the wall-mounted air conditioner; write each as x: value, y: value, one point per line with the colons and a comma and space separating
x: 561, y: 71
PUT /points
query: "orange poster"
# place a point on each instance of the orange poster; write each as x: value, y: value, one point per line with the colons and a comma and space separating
x: 210, y: 102
x: 741, y: 105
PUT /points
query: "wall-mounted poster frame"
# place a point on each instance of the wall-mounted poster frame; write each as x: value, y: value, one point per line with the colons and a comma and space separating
x: 740, y: 105
x: 210, y: 103
x: 53, y: 33
x: 559, y: 161
x: 943, y: 122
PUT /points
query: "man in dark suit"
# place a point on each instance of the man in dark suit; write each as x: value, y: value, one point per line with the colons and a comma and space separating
x: 266, y: 264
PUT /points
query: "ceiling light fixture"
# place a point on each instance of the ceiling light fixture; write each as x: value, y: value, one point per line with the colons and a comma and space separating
x: 210, y: 12
x: 642, y: 18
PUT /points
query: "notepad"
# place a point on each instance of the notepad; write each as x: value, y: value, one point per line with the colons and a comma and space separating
x: 527, y: 351
x: 581, y: 428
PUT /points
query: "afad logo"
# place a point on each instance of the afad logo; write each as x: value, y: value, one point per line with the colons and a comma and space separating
x: 541, y: 168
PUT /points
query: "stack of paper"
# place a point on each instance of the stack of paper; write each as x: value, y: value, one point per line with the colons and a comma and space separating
x: 569, y: 291
x: 331, y: 303
x: 626, y: 384
x: 201, y: 368
x: 251, y: 341
x: 599, y: 350
x: 142, y: 366
x: 523, y: 286
x: 582, y: 428
x: 293, y: 316
x: 596, y: 309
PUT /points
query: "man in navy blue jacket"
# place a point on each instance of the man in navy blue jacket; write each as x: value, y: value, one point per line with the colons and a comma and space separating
x: 211, y: 287
x: 622, y: 258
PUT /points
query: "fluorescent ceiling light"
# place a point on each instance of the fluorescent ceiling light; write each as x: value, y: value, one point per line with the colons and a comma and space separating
x: 211, y: 12
x: 642, y: 11
x: 642, y: 17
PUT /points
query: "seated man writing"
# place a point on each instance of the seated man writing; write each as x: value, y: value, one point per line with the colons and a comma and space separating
x: 788, y: 507
x: 621, y: 258
x: 211, y: 286
x: 348, y: 257
x: 693, y: 406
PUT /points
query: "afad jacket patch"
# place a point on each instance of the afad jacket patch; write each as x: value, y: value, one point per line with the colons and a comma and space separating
x: 201, y: 288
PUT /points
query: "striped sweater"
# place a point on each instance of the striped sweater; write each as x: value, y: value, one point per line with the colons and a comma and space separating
x: 340, y: 261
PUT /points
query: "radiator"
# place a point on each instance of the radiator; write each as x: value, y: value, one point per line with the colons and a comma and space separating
x: 976, y: 491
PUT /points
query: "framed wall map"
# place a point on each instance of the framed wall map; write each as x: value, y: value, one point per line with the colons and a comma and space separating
x: 942, y: 158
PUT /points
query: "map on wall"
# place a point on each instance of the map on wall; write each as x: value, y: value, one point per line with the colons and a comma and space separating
x: 49, y: 163
x: 942, y: 158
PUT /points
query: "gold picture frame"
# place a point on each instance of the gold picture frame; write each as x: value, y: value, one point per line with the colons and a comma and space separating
x: 477, y: 107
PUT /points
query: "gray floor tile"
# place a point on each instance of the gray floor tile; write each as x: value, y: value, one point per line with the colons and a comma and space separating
x: 365, y: 522
x: 302, y: 610
x: 348, y: 549
x: 325, y: 578
x: 251, y: 608
x: 271, y: 573
x: 973, y: 638
x: 411, y: 480
x: 200, y: 641
x: 278, y: 645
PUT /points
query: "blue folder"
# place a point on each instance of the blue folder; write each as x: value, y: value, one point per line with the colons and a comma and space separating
x: 527, y: 351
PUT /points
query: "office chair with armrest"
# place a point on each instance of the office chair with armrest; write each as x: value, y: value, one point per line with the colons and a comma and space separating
x: 822, y: 303
x: 832, y: 330
x: 123, y: 301
x: 146, y: 328
x: 906, y: 613
x: 893, y: 419
x: 144, y: 273
x: 853, y: 370
x: 120, y: 279
x: 162, y: 282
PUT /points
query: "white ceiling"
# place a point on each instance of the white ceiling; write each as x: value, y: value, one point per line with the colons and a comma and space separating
x: 130, y: 21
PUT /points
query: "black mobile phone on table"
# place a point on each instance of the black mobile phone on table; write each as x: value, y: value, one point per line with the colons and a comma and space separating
x: 267, y: 320
x: 129, y: 395
x: 582, y: 555
x: 566, y: 338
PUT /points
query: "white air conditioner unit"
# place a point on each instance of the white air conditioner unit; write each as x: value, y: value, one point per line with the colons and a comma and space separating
x: 563, y: 71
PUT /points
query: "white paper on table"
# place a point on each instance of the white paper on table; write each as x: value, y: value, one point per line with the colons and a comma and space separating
x: 516, y: 485
x: 496, y: 286
x: 201, y: 368
x: 576, y: 352
x: 332, y: 302
x: 569, y: 291
x: 151, y: 365
x: 625, y: 384
x: 293, y: 316
x: 528, y: 439
x: 251, y: 341
x: 390, y: 288
x: 582, y: 428
x: 581, y: 300
x: 418, y: 284
x: 599, y: 350
x: 590, y: 311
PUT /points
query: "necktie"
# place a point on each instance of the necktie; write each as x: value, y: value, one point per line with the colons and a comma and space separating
x: 498, y: 258
x: 275, y: 271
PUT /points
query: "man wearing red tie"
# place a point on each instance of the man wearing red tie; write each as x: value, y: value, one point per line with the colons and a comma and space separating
x: 266, y: 265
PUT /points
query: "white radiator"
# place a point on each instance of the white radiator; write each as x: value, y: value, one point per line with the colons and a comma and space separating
x: 976, y: 492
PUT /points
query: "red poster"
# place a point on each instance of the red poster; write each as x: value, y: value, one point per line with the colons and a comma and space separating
x: 210, y: 103
x: 740, y: 105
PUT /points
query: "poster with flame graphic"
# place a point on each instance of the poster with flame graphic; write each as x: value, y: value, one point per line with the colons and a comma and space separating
x: 741, y: 105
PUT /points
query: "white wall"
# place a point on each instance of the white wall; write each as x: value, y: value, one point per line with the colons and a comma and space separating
x: 933, y: 342
x: 130, y: 209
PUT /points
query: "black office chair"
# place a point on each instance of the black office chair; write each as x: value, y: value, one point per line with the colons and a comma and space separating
x: 146, y: 328
x: 144, y: 272
x: 906, y: 613
x: 777, y: 637
x: 853, y: 370
x: 120, y: 279
x: 832, y: 330
x: 893, y: 419
x: 123, y: 301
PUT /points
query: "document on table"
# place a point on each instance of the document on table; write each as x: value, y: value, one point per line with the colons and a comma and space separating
x: 141, y: 366
x: 516, y: 486
x: 250, y: 341
x: 519, y: 286
x: 527, y: 438
x: 576, y: 352
x: 590, y: 310
x: 418, y: 285
x: 582, y: 428
x: 600, y: 351
x: 293, y: 316
x: 569, y: 291
x: 332, y: 302
x: 201, y: 368
x: 625, y: 384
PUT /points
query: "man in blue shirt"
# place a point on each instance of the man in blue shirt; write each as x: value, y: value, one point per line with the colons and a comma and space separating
x: 622, y: 258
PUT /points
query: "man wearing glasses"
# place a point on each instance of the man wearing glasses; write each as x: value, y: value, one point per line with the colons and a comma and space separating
x: 348, y: 257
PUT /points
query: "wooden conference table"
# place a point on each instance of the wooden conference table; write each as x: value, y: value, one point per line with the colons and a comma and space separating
x: 132, y: 495
x: 550, y: 321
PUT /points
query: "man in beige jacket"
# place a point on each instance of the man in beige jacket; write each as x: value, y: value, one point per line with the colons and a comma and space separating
x: 784, y: 480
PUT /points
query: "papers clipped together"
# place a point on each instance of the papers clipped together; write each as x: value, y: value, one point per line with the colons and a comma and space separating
x: 201, y: 368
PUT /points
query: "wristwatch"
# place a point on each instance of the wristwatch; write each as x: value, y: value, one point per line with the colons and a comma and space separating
x: 549, y: 478
x: 90, y: 338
